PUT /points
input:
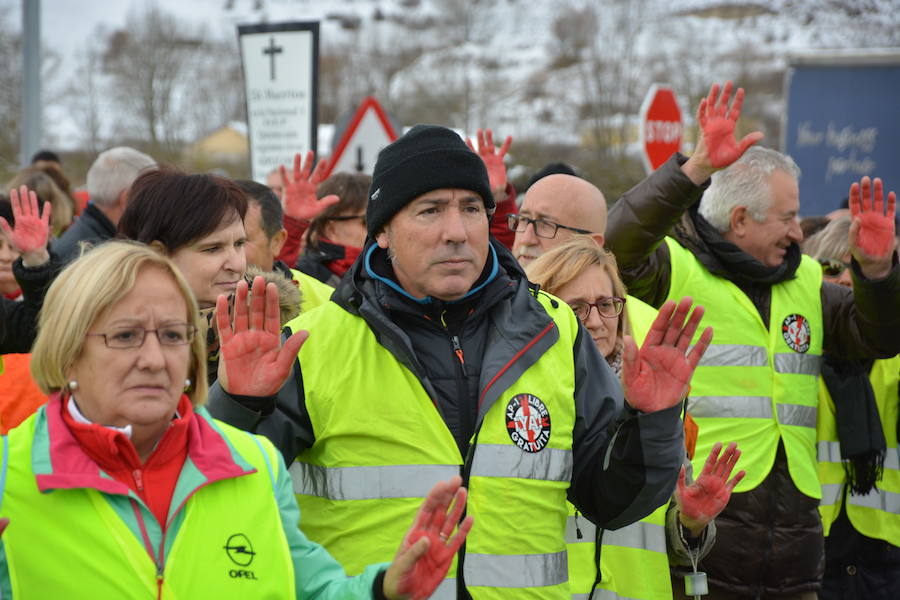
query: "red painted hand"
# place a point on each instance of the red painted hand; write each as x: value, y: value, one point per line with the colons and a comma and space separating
x: 872, y: 231
x: 32, y: 229
x: 701, y: 501
x: 657, y: 376
x: 717, y: 123
x: 493, y: 159
x: 425, y: 555
x: 252, y: 361
x: 299, y: 196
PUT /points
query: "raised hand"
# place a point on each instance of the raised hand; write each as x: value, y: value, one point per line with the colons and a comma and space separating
x: 32, y: 227
x: 252, y: 361
x: 493, y: 159
x: 424, y: 557
x: 717, y: 123
x: 872, y: 231
x: 656, y: 377
x: 299, y: 195
x: 701, y: 501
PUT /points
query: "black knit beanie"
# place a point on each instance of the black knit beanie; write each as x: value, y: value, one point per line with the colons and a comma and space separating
x: 425, y: 158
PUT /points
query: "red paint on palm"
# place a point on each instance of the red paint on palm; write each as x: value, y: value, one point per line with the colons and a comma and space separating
x: 708, y: 495
x: 876, y: 230
x: 656, y: 377
x: 718, y: 122
x: 493, y: 158
x: 299, y: 195
x: 32, y: 227
x: 427, y: 551
x: 252, y: 359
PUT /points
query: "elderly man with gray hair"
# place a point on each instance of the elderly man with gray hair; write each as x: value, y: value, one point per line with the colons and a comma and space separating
x: 108, y: 182
x: 735, y: 250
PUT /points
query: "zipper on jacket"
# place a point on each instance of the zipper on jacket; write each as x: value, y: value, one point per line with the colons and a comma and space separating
x: 457, y: 349
x: 159, y: 582
x: 138, y: 477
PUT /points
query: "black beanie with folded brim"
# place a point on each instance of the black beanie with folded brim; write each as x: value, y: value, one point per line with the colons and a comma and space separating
x: 425, y: 158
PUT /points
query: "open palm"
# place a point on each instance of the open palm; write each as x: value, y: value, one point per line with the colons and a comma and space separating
x: 656, y: 377
x: 708, y: 495
x: 428, y: 549
x: 252, y: 360
x: 299, y: 196
x: 32, y: 228
x: 718, y: 122
x: 493, y: 158
x: 873, y: 228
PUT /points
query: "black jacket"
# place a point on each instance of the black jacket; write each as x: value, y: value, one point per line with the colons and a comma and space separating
x: 91, y: 226
x: 769, y: 538
x: 314, y: 262
x: 642, y: 451
x: 18, y: 319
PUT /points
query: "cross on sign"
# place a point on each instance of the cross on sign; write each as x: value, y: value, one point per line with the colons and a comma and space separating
x: 272, y: 50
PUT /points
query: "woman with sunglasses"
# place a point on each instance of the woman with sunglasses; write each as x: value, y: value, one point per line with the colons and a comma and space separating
x: 586, y: 277
x: 859, y: 465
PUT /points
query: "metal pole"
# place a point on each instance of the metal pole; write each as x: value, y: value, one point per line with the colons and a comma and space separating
x: 30, y: 131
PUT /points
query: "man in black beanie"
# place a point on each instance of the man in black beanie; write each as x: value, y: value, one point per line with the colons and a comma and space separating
x: 436, y: 357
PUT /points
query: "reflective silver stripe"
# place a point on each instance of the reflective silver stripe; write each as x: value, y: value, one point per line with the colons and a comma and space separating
x: 830, y: 493
x: 731, y: 407
x: 582, y: 596
x: 794, y: 414
x: 588, y: 530
x: 516, y: 570
x: 502, y: 460
x: 445, y: 591
x: 882, y: 500
x: 609, y: 595
x: 640, y: 535
x: 828, y: 452
x: 800, y: 364
x: 368, y: 483
x: 734, y: 355
x: 892, y: 459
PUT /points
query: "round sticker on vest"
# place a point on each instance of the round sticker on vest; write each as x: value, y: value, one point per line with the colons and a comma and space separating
x: 528, y: 422
x: 795, y: 329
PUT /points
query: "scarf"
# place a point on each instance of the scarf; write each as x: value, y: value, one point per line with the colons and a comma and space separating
x: 861, y: 436
x: 339, y: 266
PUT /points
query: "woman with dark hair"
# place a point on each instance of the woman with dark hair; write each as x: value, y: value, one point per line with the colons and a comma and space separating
x: 336, y: 236
x: 195, y: 220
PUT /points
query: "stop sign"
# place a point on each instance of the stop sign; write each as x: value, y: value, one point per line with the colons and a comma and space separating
x: 661, y: 127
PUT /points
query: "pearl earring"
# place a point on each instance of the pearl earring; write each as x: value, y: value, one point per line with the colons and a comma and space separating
x: 187, y: 384
x: 73, y: 385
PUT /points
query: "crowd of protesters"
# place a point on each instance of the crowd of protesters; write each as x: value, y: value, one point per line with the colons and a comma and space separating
x: 423, y: 383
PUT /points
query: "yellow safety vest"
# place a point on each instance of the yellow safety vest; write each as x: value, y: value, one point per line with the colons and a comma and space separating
x: 68, y: 540
x: 756, y: 384
x: 634, y: 561
x: 381, y: 445
x: 313, y: 292
x: 877, y: 514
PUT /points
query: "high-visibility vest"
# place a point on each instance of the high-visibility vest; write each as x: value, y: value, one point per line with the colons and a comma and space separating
x: 756, y: 384
x: 876, y: 514
x: 381, y: 445
x: 313, y: 292
x: 77, y: 539
x: 634, y: 561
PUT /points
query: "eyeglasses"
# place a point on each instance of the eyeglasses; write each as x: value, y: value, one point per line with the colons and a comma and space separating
x: 833, y: 268
x: 542, y: 228
x: 610, y: 307
x: 362, y: 218
x: 177, y: 334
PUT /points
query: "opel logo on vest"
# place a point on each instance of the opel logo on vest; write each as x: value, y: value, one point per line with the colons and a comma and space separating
x: 795, y: 330
x: 240, y: 550
x: 528, y: 422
